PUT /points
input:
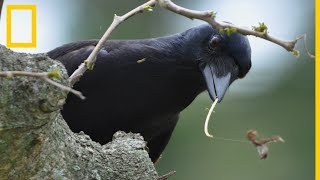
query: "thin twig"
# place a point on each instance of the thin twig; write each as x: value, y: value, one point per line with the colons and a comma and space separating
x: 304, y: 38
x: 90, y: 61
x: 166, y: 176
x: 65, y: 88
x: 10, y: 74
x: 209, y: 17
x: 40, y: 75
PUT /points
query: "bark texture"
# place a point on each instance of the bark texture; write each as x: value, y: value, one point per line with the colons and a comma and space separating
x: 36, y: 143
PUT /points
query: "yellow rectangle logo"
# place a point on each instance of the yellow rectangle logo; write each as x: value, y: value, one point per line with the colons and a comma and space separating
x: 21, y: 7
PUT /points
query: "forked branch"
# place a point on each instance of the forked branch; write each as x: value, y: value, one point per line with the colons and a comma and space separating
x: 207, y: 16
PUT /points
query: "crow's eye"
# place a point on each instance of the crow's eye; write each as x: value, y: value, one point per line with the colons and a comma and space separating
x: 214, y: 42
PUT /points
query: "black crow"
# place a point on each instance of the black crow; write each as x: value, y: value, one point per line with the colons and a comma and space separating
x: 142, y: 85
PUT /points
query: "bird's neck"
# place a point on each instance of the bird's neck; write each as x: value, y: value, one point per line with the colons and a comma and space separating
x: 180, y: 67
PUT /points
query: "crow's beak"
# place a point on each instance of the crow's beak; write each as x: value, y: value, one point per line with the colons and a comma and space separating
x: 217, y: 85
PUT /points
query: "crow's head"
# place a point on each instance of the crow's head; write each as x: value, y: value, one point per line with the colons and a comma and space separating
x: 222, y: 58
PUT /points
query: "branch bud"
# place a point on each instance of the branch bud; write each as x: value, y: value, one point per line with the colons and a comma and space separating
x: 55, y: 73
x: 148, y: 8
x: 261, y: 28
x: 296, y: 53
x: 228, y: 30
x: 213, y: 14
x: 88, y: 65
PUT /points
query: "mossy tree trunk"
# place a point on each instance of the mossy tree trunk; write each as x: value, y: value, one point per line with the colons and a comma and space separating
x: 36, y: 143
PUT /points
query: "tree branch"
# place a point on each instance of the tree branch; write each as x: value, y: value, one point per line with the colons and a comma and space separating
x: 89, y: 62
x: 43, y: 76
x: 207, y: 16
x: 166, y: 176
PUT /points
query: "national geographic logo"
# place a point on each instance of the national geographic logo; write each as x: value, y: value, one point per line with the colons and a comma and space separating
x: 21, y: 33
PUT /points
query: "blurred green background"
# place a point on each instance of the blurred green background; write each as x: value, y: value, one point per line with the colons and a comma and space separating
x: 275, y: 98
